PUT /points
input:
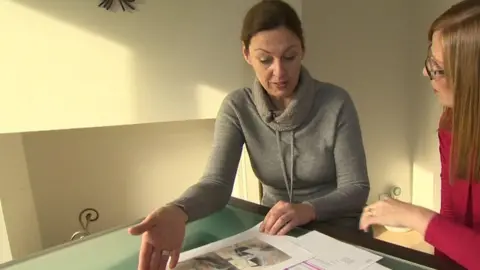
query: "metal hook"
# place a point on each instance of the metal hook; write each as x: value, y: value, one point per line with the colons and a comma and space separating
x: 86, y: 216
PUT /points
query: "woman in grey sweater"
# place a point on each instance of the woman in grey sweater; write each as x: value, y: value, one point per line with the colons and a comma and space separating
x: 303, y: 138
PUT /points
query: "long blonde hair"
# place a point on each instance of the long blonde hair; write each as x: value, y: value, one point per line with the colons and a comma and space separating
x: 459, y: 28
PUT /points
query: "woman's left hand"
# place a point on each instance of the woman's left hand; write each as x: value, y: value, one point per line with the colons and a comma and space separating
x: 395, y: 213
x: 285, y: 216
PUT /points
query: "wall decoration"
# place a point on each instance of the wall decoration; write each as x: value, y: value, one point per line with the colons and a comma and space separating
x: 86, y: 216
x: 126, y: 5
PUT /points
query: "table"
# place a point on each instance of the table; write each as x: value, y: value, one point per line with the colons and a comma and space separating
x: 115, y: 249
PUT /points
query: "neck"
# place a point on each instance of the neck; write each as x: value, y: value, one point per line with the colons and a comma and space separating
x: 281, y: 103
x: 295, y: 109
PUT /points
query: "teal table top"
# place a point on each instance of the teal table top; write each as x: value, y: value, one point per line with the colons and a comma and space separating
x: 117, y: 250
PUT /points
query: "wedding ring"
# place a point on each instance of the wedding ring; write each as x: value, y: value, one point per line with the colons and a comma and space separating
x: 166, y: 253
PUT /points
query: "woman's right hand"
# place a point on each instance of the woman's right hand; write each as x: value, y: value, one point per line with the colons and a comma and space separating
x: 162, y: 237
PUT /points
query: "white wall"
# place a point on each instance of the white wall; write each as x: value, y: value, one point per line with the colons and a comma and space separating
x: 70, y: 64
x: 377, y: 52
x: 5, y: 250
x: 18, y: 213
x: 365, y: 50
x: 125, y: 171
x: 425, y: 112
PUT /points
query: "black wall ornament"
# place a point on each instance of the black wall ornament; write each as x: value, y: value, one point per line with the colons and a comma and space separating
x: 85, y: 217
x: 126, y: 5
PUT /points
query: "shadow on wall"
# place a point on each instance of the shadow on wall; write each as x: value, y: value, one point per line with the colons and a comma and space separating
x: 177, y: 52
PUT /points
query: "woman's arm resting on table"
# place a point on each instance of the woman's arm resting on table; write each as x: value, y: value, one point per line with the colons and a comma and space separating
x: 214, y: 190
x: 456, y: 241
x: 353, y: 185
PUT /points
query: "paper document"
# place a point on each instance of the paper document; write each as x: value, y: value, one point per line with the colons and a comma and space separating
x: 332, y: 254
x: 377, y: 266
x: 245, y: 251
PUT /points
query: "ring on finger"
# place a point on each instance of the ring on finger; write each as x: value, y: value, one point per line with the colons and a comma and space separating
x: 371, y: 211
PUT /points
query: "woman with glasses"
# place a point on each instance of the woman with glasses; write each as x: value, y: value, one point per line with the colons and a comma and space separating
x: 453, y: 67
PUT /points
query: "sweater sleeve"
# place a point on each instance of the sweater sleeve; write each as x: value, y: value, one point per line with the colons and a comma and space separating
x: 446, y: 209
x: 214, y: 189
x: 456, y: 241
x: 353, y: 184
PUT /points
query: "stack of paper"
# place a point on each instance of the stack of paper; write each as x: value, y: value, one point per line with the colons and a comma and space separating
x: 330, y: 253
x: 252, y: 250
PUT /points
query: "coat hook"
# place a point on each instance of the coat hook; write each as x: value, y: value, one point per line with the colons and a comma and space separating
x: 86, y: 216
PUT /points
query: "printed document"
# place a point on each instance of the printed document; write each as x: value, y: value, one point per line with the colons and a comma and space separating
x: 245, y: 251
x: 253, y: 250
x: 333, y: 254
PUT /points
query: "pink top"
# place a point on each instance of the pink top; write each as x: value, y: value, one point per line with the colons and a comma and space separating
x: 455, y: 232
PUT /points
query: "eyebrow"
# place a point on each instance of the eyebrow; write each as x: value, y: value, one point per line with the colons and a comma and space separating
x: 288, y: 48
x: 436, y: 61
x: 430, y: 52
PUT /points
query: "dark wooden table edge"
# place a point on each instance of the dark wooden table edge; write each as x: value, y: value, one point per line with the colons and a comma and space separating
x: 361, y: 239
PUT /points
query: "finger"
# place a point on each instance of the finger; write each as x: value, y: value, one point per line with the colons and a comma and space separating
x: 367, y: 222
x: 371, y: 210
x: 145, y: 255
x: 163, y: 262
x: 155, y: 261
x: 280, y: 222
x: 142, y: 227
x: 288, y: 227
x: 269, y: 222
x: 266, y: 222
x: 272, y: 216
x: 174, y: 259
x: 262, y: 225
x: 361, y: 223
x: 366, y: 215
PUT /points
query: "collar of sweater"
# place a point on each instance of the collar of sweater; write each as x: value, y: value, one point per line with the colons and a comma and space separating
x: 297, y: 110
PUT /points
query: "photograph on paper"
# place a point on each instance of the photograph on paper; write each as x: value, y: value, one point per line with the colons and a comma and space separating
x: 247, y: 250
x: 246, y: 255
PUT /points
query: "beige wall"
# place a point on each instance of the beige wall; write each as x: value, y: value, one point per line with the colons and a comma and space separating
x: 365, y: 49
x: 5, y: 250
x: 126, y: 170
x: 123, y: 172
x: 82, y: 66
x: 425, y: 111
x: 19, y: 231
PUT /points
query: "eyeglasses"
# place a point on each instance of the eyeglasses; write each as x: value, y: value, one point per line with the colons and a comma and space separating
x: 432, y: 67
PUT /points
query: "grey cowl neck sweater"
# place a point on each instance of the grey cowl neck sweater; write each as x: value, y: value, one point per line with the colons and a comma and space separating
x: 286, y: 121
x: 297, y: 110
x: 317, y: 136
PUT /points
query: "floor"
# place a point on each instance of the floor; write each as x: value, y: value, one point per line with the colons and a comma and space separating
x: 410, y: 239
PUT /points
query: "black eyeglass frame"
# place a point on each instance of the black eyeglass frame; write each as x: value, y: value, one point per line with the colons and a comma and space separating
x: 432, y: 73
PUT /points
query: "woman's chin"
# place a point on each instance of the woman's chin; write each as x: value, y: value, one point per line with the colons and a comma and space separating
x: 444, y: 103
x: 281, y: 93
